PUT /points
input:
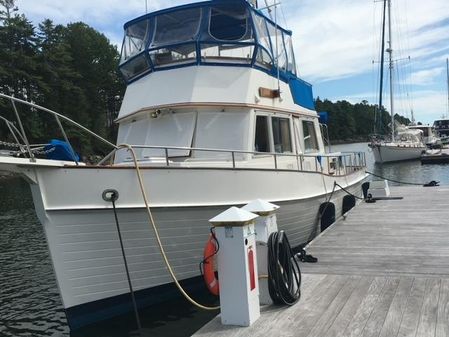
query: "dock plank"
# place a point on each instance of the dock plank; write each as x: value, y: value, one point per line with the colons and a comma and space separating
x: 351, y: 306
x: 443, y: 310
x: 397, y: 308
x: 410, y: 319
x: 429, y: 310
x: 383, y: 270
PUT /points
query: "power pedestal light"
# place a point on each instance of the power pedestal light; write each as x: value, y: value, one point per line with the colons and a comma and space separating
x: 237, y: 267
x: 266, y: 224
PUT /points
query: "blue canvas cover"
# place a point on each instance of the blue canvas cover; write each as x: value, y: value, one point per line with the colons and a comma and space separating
x: 302, y: 93
x: 61, y: 151
x: 324, y: 117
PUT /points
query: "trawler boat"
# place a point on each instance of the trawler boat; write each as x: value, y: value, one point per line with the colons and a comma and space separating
x: 217, y: 116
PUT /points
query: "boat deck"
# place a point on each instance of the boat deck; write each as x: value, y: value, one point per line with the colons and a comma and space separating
x: 382, y: 271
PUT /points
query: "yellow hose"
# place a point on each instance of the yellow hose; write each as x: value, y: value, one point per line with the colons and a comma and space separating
x: 156, y: 232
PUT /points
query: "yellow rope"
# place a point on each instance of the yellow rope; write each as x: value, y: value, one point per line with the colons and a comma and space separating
x: 156, y: 232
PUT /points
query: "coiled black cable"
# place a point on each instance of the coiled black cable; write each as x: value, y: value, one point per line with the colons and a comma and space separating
x: 284, y: 275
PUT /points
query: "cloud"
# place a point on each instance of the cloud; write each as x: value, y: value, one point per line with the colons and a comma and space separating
x: 425, y: 77
x: 340, y: 38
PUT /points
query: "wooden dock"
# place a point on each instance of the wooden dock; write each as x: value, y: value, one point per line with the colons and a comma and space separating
x: 382, y: 271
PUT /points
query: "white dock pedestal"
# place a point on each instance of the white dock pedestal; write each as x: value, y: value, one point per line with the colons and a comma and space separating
x: 266, y: 224
x: 237, y: 267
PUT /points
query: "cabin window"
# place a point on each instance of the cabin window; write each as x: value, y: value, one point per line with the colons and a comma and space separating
x: 277, y: 42
x: 227, y: 130
x: 137, y: 66
x: 282, y: 139
x: 224, y: 53
x: 229, y: 22
x: 310, y: 140
x: 262, y: 141
x: 174, y: 55
x: 291, y: 65
x: 263, y: 56
x: 177, y: 27
x: 136, y: 38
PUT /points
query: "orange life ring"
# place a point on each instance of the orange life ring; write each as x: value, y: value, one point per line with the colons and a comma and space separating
x: 209, y: 266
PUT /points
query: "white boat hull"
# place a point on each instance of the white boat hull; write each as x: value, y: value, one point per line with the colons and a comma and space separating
x: 82, y: 234
x: 384, y: 153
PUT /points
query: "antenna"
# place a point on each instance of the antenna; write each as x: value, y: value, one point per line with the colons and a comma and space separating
x: 146, y: 6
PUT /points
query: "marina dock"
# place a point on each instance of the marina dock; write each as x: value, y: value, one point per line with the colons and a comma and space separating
x: 383, y: 270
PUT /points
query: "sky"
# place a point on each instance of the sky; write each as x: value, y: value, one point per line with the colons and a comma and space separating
x: 337, y: 44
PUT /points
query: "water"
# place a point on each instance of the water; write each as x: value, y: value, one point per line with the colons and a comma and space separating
x: 407, y: 171
x: 29, y: 298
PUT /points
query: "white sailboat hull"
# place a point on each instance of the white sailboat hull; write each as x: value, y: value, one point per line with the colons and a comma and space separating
x: 390, y: 152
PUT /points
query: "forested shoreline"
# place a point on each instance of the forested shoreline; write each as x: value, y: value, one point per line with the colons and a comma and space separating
x: 73, y: 69
x: 355, y: 122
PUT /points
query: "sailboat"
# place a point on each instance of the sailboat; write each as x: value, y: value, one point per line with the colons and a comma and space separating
x: 405, y: 143
x: 214, y: 115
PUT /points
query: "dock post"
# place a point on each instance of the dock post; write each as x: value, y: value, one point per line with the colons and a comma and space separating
x: 237, y: 266
x: 266, y: 224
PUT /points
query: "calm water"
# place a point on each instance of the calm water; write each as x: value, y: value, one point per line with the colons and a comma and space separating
x: 29, y: 299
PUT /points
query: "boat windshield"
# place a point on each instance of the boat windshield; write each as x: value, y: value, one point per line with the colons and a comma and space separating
x: 214, y: 32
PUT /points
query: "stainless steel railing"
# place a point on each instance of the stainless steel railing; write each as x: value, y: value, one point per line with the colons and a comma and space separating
x: 58, y: 117
x: 341, y: 163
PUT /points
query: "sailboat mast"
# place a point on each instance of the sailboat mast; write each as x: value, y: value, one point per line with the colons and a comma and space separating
x: 390, y: 52
x: 381, y: 82
x: 447, y: 77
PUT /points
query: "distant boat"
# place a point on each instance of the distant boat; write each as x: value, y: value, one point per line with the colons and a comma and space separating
x: 442, y: 125
x: 404, y: 144
x: 429, y: 135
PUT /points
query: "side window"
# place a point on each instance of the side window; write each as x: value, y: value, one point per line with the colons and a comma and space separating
x: 310, y: 140
x: 262, y: 143
x: 281, y: 134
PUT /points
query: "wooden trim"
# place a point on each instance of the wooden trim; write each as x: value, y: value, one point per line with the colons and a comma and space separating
x: 269, y: 93
x: 214, y: 105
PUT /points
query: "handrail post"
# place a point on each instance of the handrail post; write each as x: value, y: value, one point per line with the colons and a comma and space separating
x: 275, y: 162
x: 24, y: 136
x: 14, y: 136
x: 301, y: 161
x: 297, y: 161
x: 233, y: 159
x: 166, y: 157
x: 66, y: 139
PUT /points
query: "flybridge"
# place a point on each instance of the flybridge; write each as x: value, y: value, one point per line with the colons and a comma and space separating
x: 211, y: 33
x: 217, y: 32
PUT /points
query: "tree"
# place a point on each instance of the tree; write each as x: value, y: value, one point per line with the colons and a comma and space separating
x: 71, y: 69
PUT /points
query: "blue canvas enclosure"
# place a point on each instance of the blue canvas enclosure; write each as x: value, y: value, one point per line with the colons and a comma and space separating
x: 211, y: 33
x: 61, y: 151
x: 324, y: 117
